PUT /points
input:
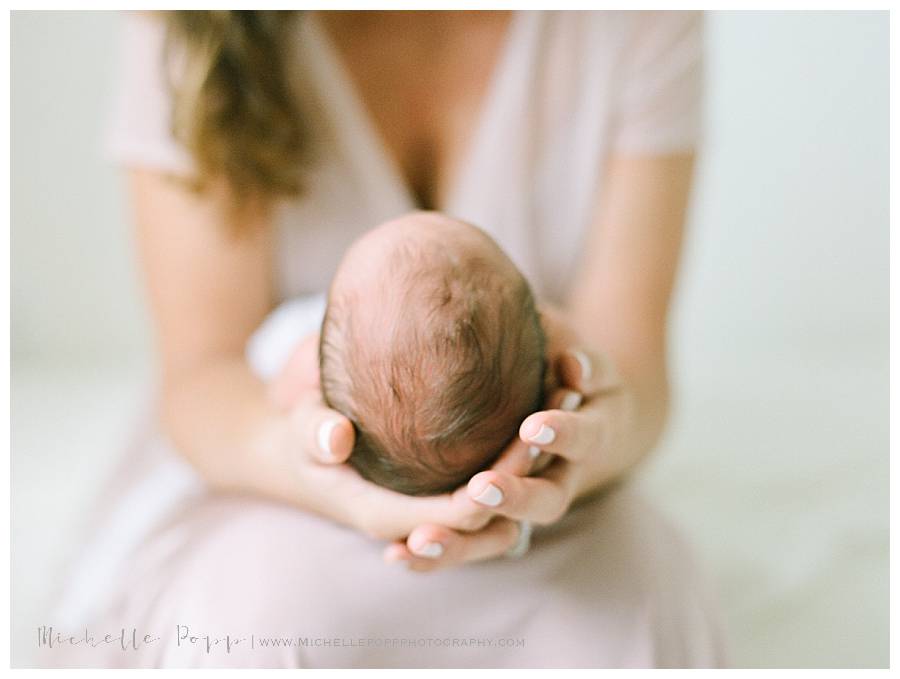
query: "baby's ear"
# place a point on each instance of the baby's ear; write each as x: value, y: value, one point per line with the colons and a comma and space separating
x: 299, y: 375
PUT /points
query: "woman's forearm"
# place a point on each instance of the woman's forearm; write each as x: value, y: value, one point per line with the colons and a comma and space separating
x: 635, y: 407
x: 193, y: 246
x: 620, y: 295
x: 636, y: 413
x: 648, y: 394
x: 218, y: 417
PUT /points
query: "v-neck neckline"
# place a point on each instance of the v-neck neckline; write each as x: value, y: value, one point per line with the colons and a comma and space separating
x: 352, y: 107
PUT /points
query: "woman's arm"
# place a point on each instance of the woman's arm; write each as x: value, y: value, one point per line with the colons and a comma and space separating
x: 208, y: 275
x: 209, y: 284
x: 620, y: 298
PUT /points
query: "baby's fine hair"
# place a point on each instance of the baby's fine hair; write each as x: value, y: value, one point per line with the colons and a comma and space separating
x: 436, y: 397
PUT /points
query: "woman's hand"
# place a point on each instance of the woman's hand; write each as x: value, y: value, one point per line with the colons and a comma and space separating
x: 315, y: 440
x: 569, y: 450
x: 618, y: 299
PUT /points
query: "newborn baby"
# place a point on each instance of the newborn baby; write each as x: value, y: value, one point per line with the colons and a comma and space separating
x: 432, y: 346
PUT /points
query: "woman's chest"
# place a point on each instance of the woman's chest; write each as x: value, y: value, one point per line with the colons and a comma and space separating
x: 423, y: 87
x: 526, y: 170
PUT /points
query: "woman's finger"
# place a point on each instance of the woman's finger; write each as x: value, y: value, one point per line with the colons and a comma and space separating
x: 388, y: 515
x: 430, y: 547
x: 586, y: 371
x: 541, y: 499
x: 573, y: 436
x: 565, y: 400
x: 324, y: 433
x: 515, y: 458
x: 521, y: 457
x: 567, y: 430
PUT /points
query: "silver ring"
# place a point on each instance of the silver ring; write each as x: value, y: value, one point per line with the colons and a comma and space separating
x: 523, y: 542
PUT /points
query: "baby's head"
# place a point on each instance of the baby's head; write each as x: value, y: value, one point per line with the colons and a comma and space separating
x: 433, y: 348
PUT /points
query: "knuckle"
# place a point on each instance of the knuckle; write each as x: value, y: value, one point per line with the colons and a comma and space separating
x: 374, y: 529
x: 474, y: 519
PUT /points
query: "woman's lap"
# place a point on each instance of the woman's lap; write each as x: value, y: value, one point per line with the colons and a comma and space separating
x: 610, y: 586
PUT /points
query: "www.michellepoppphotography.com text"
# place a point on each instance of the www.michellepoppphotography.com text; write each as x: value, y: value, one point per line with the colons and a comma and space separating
x: 132, y: 639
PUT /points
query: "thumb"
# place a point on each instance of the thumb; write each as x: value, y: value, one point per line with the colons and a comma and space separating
x: 588, y: 372
x: 325, y: 434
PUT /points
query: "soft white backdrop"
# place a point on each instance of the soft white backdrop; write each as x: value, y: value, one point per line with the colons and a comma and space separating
x: 776, y: 462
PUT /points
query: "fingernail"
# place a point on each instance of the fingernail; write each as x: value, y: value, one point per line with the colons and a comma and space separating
x: 544, y: 436
x: 323, y: 436
x: 584, y: 362
x: 533, y: 452
x: 430, y: 550
x: 571, y: 401
x: 490, y: 496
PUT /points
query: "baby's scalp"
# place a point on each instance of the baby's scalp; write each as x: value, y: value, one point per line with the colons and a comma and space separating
x: 432, y: 346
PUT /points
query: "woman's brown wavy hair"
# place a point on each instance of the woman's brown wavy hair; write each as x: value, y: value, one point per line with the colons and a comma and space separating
x: 233, y: 107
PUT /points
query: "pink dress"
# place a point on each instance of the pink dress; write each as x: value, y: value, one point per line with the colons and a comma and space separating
x: 224, y: 581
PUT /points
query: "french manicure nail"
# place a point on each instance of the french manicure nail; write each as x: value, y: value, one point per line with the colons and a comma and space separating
x: 571, y: 401
x: 533, y: 452
x: 490, y: 496
x: 544, y: 436
x: 430, y: 550
x: 584, y: 362
x: 323, y: 436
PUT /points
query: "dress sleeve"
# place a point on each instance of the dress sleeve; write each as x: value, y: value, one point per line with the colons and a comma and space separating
x: 661, y: 82
x: 139, y: 132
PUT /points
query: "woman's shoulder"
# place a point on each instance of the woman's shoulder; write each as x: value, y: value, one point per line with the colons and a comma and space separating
x: 139, y: 131
x: 605, y: 28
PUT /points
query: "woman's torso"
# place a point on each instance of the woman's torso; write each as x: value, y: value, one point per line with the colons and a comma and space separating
x: 527, y: 171
x: 524, y: 160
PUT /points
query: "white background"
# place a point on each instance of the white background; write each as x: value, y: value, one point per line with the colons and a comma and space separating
x: 776, y: 463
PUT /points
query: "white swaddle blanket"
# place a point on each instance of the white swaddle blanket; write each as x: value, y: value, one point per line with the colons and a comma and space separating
x: 271, y: 345
x: 169, y: 483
